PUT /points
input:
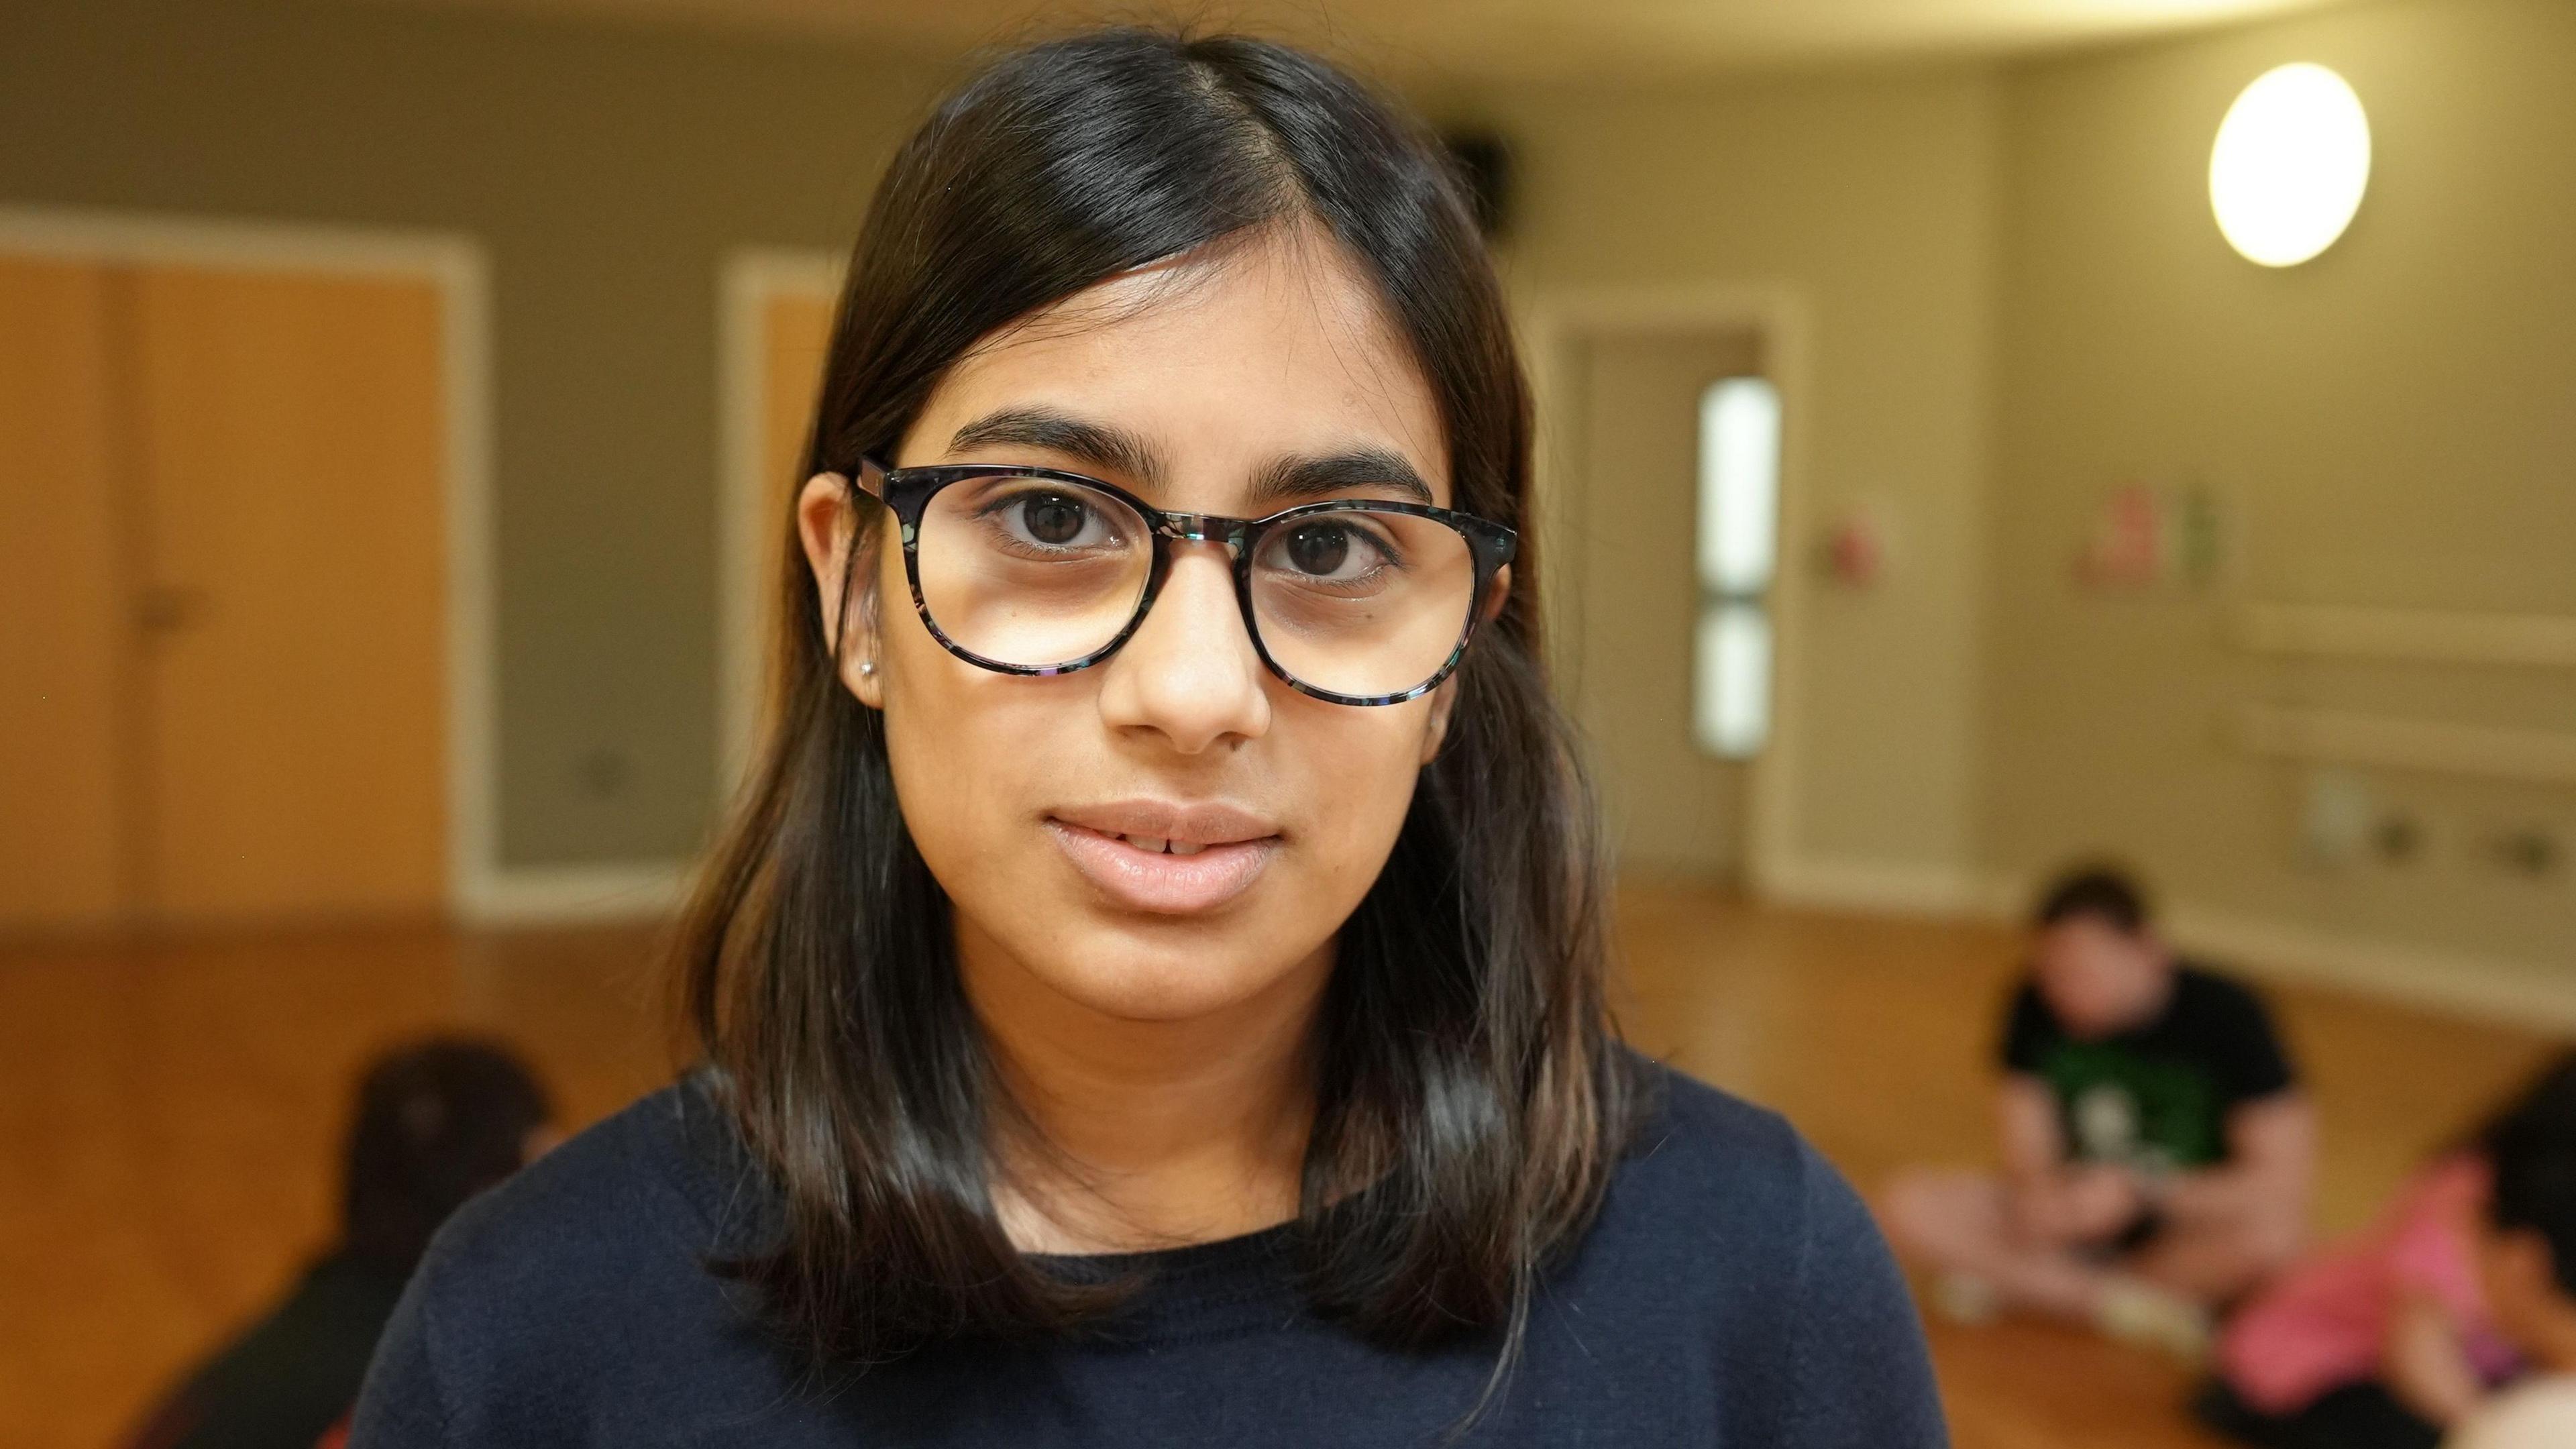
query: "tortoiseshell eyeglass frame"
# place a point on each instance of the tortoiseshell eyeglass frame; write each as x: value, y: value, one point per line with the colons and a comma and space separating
x: 906, y: 493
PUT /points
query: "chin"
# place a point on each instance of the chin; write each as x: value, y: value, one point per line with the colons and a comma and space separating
x: 1120, y: 977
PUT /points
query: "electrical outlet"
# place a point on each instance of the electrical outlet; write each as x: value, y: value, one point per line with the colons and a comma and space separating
x: 2529, y: 851
x: 2397, y: 839
x: 2344, y: 821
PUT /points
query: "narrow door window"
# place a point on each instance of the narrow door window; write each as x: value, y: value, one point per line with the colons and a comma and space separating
x: 1739, y: 508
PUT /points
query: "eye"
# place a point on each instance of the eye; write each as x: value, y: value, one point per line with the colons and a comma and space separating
x: 1318, y: 548
x: 1326, y: 550
x: 1052, y: 518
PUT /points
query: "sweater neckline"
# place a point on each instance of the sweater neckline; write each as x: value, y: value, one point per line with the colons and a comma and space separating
x: 1197, y: 1291
x: 1222, y: 1288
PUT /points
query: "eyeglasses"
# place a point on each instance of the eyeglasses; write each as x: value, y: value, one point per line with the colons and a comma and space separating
x: 1038, y: 572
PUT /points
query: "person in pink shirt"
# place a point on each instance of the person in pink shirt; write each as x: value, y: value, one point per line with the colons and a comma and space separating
x: 2527, y: 1266
x: 2386, y: 1339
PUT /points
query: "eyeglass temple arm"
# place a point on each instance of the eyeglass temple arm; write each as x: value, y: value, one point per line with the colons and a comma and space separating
x: 870, y: 479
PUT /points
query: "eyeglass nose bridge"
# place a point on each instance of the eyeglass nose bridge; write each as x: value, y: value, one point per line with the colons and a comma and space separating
x: 1203, y: 528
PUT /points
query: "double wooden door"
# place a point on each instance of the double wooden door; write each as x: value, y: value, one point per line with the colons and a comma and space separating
x: 223, y: 563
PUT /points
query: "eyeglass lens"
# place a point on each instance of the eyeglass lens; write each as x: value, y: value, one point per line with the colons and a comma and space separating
x: 1038, y: 572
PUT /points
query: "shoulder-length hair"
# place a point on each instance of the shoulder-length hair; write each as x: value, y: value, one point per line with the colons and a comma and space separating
x: 1472, y: 1097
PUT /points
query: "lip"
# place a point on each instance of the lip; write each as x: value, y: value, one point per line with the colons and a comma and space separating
x: 1234, y: 847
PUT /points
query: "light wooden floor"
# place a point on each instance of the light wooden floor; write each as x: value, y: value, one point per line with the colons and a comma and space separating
x: 169, y: 1115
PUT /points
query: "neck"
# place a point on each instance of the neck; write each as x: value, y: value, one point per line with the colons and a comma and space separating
x: 1135, y: 1134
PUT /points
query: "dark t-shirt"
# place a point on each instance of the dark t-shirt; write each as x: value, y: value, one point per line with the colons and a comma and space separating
x: 2154, y: 1097
x: 292, y: 1375
x: 1732, y: 1291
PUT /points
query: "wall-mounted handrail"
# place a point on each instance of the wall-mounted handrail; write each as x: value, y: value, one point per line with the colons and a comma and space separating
x: 2315, y: 736
x: 2423, y: 636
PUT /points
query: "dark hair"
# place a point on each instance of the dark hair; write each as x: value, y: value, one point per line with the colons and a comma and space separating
x: 2099, y: 892
x: 1472, y: 1098
x: 438, y: 1121
x: 2531, y: 1148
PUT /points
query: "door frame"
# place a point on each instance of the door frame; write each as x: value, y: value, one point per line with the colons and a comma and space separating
x: 748, y: 281
x: 479, y: 886
x: 1557, y: 320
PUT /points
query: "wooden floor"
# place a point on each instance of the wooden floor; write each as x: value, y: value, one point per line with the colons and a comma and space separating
x: 169, y: 1116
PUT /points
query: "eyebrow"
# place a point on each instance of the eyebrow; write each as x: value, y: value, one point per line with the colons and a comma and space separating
x: 1294, y: 480
x: 1100, y: 446
x: 1108, y: 448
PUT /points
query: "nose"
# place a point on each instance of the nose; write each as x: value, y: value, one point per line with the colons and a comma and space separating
x: 1189, y: 673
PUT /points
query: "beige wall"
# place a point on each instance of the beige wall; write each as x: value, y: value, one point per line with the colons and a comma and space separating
x: 2393, y: 424
x: 1871, y: 200
x: 607, y: 171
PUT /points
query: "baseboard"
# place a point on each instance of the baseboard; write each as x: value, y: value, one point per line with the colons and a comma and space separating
x: 1875, y: 887
x: 2494, y: 988
x: 575, y: 894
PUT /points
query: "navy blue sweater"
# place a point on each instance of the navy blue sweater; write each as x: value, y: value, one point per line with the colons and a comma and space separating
x: 1732, y: 1292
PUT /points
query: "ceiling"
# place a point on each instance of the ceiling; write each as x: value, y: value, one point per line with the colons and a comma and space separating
x: 1492, y: 39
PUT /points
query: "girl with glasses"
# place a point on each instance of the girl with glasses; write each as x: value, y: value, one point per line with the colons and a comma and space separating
x: 1153, y: 991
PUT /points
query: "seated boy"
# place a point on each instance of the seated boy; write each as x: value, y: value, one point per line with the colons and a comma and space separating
x: 437, y: 1122
x: 2527, y: 1264
x: 2156, y: 1148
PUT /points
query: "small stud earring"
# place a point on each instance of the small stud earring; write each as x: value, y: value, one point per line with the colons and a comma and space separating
x: 867, y: 668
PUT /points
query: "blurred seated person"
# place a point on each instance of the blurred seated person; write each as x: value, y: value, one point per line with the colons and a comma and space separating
x: 2156, y: 1149
x: 437, y: 1122
x: 2527, y: 1267
x: 2405, y: 1331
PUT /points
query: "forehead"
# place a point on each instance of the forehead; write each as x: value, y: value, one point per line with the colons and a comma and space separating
x: 2082, y: 933
x: 1223, y: 362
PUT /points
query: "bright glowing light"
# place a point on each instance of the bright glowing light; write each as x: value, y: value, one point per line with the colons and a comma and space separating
x: 2291, y: 161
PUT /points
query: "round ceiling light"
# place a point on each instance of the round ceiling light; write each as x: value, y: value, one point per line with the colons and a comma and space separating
x: 2291, y: 161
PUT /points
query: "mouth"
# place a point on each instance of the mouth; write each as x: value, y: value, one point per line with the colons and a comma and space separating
x: 1151, y: 846
x: 1166, y: 860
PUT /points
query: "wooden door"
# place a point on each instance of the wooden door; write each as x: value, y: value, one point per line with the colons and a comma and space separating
x: 62, y: 627
x: 1676, y: 811
x: 294, y: 591
x: 795, y: 338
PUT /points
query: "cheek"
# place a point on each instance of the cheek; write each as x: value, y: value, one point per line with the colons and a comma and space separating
x: 2075, y: 996
x: 1359, y: 768
x: 966, y: 747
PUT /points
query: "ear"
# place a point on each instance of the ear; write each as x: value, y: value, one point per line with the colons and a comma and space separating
x: 845, y: 573
x: 1497, y: 594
